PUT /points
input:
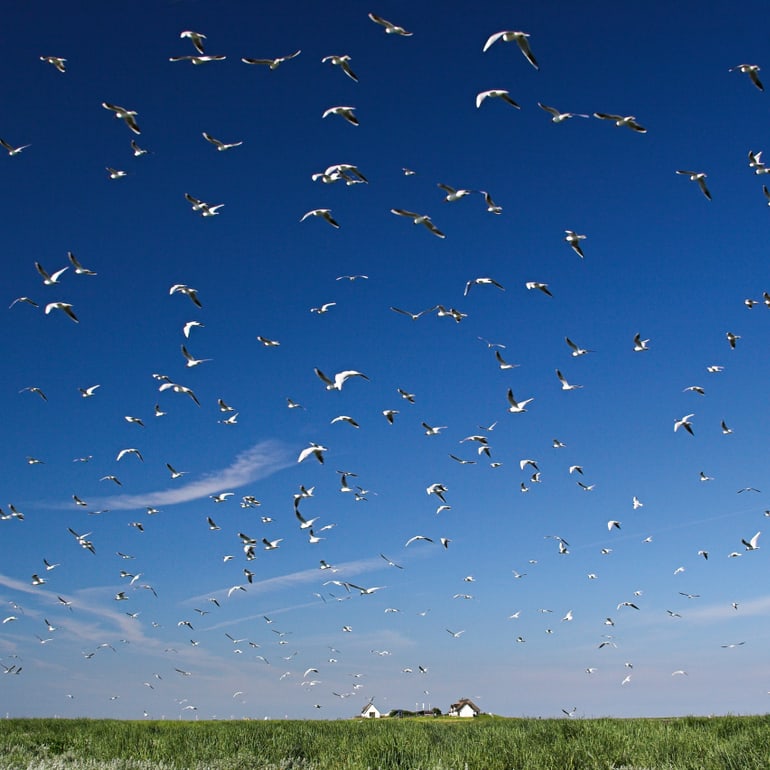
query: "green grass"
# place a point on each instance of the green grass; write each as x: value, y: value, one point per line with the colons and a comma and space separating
x: 486, y: 743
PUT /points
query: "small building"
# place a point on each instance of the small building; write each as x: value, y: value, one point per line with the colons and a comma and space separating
x: 370, y: 711
x: 464, y: 708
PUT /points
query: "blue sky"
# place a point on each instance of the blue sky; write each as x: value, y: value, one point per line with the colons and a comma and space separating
x: 660, y: 260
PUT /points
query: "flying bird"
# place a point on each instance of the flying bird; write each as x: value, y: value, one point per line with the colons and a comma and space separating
x: 324, y: 214
x: 495, y: 93
x: 11, y: 149
x: 343, y: 62
x: 620, y: 120
x: 698, y: 177
x: 751, y: 70
x: 390, y: 27
x: 221, y: 146
x: 127, y: 116
x: 196, y: 38
x: 573, y: 239
x: 419, y: 219
x: 272, y: 63
x: 56, y: 61
x: 559, y: 117
x: 510, y: 36
x: 344, y: 112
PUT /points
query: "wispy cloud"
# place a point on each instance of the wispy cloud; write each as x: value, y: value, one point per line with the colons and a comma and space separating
x: 256, y: 462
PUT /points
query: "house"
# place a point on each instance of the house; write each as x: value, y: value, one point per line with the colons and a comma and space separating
x: 464, y: 708
x: 370, y: 711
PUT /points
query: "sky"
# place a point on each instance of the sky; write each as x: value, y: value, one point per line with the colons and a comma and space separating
x: 129, y: 593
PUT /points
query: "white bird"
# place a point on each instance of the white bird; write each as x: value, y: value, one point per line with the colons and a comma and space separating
x: 495, y: 93
x: 180, y: 288
x: 637, y: 503
x: 492, y: 207
x: 188, y: 327
x: 573, y: 239
x: 198, y: 59
x: 344, y: 112
x: 116, y: 173
x: 339, y: 379
x: 268, y: 343
x: 79, y: 269
x: 452, y: 193
x: 700, y: 178
x: 33, y: 389
x: 177, y: 388
x: 419, y: 219
x: 751, y: 70
x: 564, y: 384
x: 65, y: 307
x: 132, y: 451
x: 134, y: 420
x: 11, y: 149
x: 751, y: 545
x: 502, y: 362
x: 343, y: 62
x: 127, y: 116
x: 347, y: 419
x: 175, y: 474
x: 481, y: 282
x: 272, y: 63
x: 576, y: 350
x: 418, y: 537
x: 510, y: 36
x: 316, y: 450
x: 539, y: 286
x: 191, y: 361
x: 323, y: 213
x: 138, y: 151
x: 559, y: 117
x: 622, y: 120
x: 196, y: 38
x: 56, y: 61
x: 732, y: 339
x: 221, y: 146
x: 390, y: 28
x: 52, y: 278
x: 612, y: 524
x: 685, y: 423
x: 221, y: 497
x: 323, y: 308
x: 517, y: 406
x: 640, y: 345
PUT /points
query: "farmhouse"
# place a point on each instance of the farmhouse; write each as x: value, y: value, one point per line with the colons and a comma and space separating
x: 464, y: 708
x: 370, y: 711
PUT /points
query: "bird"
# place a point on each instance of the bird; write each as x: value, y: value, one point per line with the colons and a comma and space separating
x: 343, y: 112
x: 732, y: 339
x: 27, y: 300
x: 315, y: 450
x: 751, y: 70
x: 134, y: 420
x: 137, y: 150
x: 127, y: 116
x: 502, y: 362
x: 52, y: 278
x: 418, y: 537
x: 198, y: 59
x: 576, y: 349
x: 492, y: 207
x: 187, y: 328
x: 116, y: 173
x: 180, y: 288
x: 695, y: 389
x: 559, y: 117
x: 751, y: 544
x: 191, y: 361
x: 323, y: 308
x: 221, y: 497
x: 390, y: 415
x: 620, y: 120
x: 481, y: 282
x: 573, y: 239
x: 564, y: 384
x: 496, y: 93
x: 325, y: 214
x: 65, y: 307
x: 34, y: 389
x: 268, y: 343
x: 11, y: 149
x: 343, y: 62
x: 510, y: 36
x: 56, y: 61
x: 390, y: 28
x: 196, y: 38
x: 685, y: 423
x: 272, y: 63
x: 175, y: 474
x: 79, y: 269
x: 700, y: 178
x: 339, y: 379
x: 539, y: 286
x: 419, y: 219
x: 177, y: 388
x: 347, y: 419
x: 221, y: 146
x: 640, y: 345
x: 517, y: 406
x: 123, y: 452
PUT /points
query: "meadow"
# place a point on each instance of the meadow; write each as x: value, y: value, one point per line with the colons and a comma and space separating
x: 485, y: 743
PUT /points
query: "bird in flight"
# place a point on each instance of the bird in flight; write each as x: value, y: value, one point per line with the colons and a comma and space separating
x: 699, y: 178
x: 751, y: 70
x: 510, y: 36
x: 390, y: 27
x: 272, y: 63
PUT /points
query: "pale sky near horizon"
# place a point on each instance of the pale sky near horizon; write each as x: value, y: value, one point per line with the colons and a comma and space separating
x: 527, y: 608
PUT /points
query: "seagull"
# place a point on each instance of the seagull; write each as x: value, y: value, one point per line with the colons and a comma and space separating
x: 11, y: 149
x: 517, y: 406
x: 343, y: 112
x: 418, y: 537
x: 124, y: 452
x: 323, y: 308
x: 65, y: 307
x: 191, y: 361
x: 640, y: 345
x: 33, y: 389
x: 502, y: 362
x: 419, y: 219
x: 221, y: 146
x: 268, y: 343
x: 343, y: 62
x: 637, y: 503
x: 495, y: 93
x: 509, y: 36
x: 492, y: 207
x: 188, y: 327
x: 79, y: 269
x: 23, y: 299
x: 324, y: 214
x: 115, y: 173
x: 315, y: 450
x: 559, y: 117
x: 751, y: 545
x: 620, y: 120
x: 390, y: 415
x: 751, y: 70
x: 339, y: 379
x: 685, y: 423
x: 390, y: 28
x: 180, y: 288
x: 179, y: 389
x: 138, y: 151
x: 700, y: 178
x: 56, y: 61
x: 221, y: 497
x: 127, y: 116
x: 196, y: 38
x: 576, y: 350
x: 199, y: 59
x: 347, y: 419
x: 481, y: 282
x: 541, y: 286
x: 272, y: 63
x: 50, y: 279
x: 732, y: 339
x: 455, y: 634
x: 271, y: 545
x: 453, y: 194
x: 175, y: 474
x: 564, y: 384
x: 573, y: 239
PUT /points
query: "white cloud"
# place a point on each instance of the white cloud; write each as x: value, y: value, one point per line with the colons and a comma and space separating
x: 254, y: 463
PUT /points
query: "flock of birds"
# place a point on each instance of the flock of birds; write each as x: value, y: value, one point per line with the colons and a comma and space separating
x: 333, y: 584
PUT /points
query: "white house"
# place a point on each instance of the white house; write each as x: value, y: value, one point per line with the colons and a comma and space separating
x: 464, y: 708
x: 370, y: 711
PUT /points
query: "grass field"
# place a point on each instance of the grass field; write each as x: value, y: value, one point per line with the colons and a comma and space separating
x: 485, y: 743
